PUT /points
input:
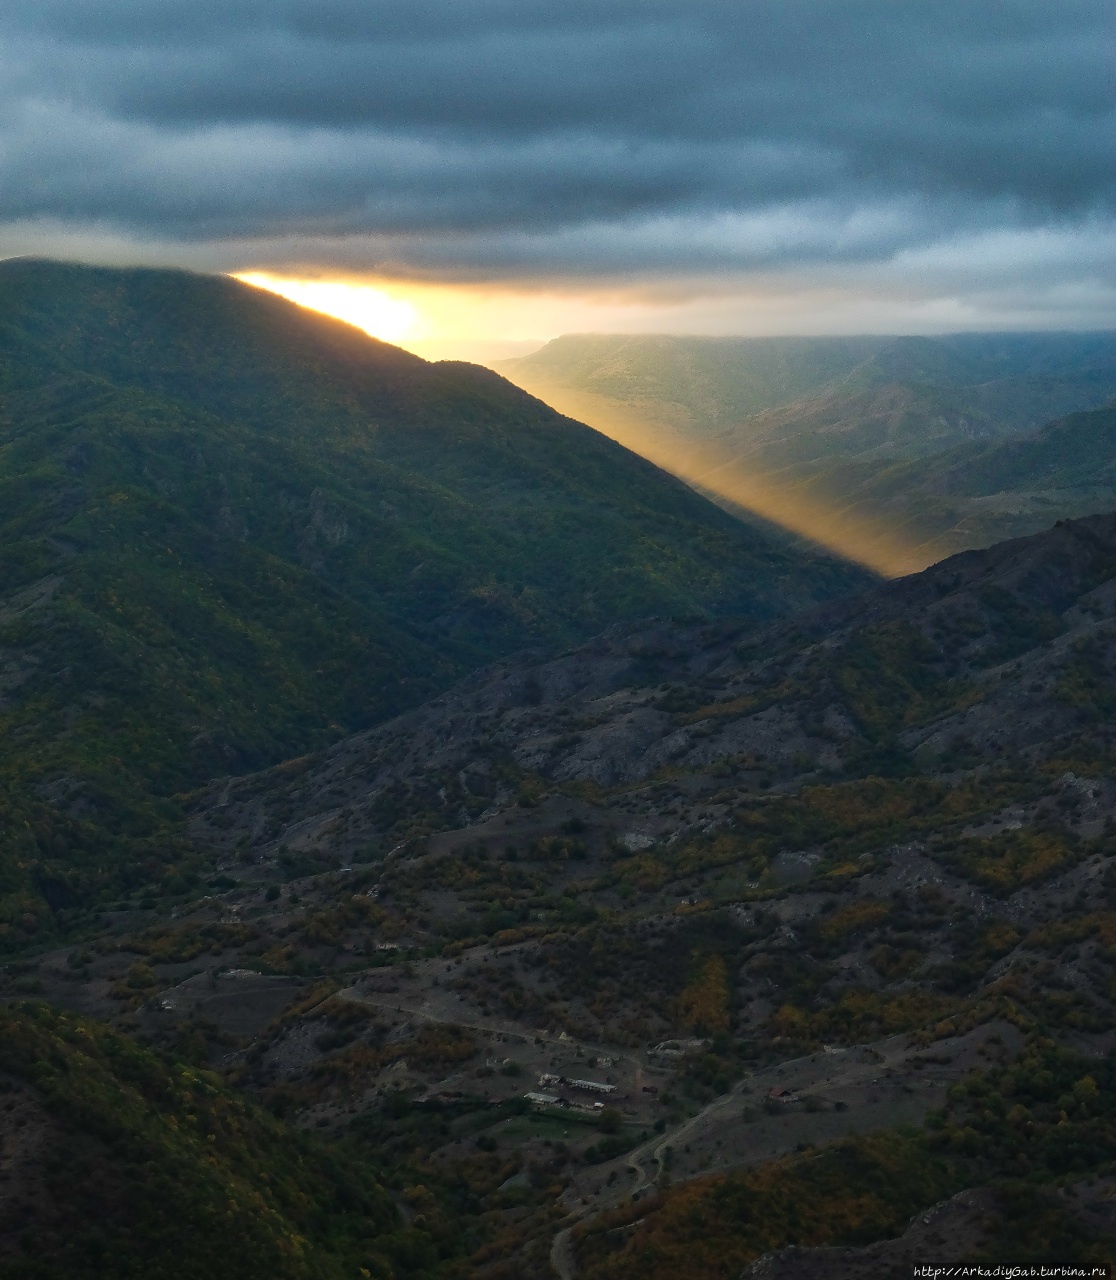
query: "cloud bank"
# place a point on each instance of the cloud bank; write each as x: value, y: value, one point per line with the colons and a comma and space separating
x: 851, y: 143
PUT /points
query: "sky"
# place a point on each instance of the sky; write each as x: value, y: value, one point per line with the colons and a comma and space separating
x: 468, y: 175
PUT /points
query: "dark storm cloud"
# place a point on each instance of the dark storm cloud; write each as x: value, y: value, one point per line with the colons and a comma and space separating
x: 518, y: 136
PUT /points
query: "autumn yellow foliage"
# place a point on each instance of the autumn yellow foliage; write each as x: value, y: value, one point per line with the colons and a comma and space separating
x: 1018, y: 858
x: 704, y: 1004
x: 851, y: 919
x: 712, y: 1228
x: 861, y: 1014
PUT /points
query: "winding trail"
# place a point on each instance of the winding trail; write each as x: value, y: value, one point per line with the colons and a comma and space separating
x: 851, y: 1066
x: 641, y: 1161
x: 656, y: 1148
x: 842, y: 1068
x: 562, y: 1255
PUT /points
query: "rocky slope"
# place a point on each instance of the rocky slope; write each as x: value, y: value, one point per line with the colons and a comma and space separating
x: 693, y: 942
x: 987, y: 656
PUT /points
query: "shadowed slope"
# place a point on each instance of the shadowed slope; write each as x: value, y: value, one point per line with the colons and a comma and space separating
x: 232, y: 529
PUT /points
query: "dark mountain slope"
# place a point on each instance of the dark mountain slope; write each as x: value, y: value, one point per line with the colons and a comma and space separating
x: 231, y: 530
x: 737, y: 908
x: 120, y: 1163
x: 991, y: 649
x: 780, y: 887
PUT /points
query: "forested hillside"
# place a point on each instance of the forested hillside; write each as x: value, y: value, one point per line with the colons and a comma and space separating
x: 232, y: 530
x: 118, y: 1162
x: 646, y: 958
x: 698, y: 944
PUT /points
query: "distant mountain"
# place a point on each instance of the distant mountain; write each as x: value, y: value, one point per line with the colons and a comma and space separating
x: 799, y: 429
x: 974, y: 493
x: 720, y: 382
x: 232, y: 530
x: 714, y: 381
x: 1071, y: 453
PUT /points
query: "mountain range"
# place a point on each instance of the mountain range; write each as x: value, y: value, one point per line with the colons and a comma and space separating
x: 899, y: 451
x: 233, y: 529
x: 439, y: 845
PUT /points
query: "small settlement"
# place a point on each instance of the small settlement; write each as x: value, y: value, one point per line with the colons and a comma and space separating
x: 547, y: 1080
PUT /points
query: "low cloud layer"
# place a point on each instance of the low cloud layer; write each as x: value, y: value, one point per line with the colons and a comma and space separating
x: 618, y: 140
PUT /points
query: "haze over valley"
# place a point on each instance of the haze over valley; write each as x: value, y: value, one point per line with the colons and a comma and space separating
x: 893, y: 451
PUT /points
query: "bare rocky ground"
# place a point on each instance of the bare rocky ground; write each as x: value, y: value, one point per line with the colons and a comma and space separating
x: 766, y: 888
x: 658, y: 699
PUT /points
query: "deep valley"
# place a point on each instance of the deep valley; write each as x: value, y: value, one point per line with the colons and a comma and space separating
x: 438, y: 845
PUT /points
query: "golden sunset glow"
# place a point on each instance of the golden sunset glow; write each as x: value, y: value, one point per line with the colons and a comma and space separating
x: 713, y: 469
x: 378, y: 313
x: 490, y: 324
x: 452, y: 322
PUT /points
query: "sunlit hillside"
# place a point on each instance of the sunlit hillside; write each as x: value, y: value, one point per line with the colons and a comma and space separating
x: 843, y: 440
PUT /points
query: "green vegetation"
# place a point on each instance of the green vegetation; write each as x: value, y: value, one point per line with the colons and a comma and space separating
x: 720, y: 383
x: 131, y: 1164
x: 844, y: 822
x: 1049, y: 1118
x: 233, y: 530
x: 149, y: 1167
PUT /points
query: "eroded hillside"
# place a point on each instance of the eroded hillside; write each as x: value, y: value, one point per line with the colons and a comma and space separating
x: 682, y: 902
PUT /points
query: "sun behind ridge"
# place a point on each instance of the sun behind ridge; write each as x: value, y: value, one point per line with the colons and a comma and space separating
x: 371, y: 309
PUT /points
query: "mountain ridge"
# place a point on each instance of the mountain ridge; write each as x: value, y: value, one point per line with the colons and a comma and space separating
x: 253, y: 527
x: 821, y: 895
x: 1047, y: 571
x: 631, y: 951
